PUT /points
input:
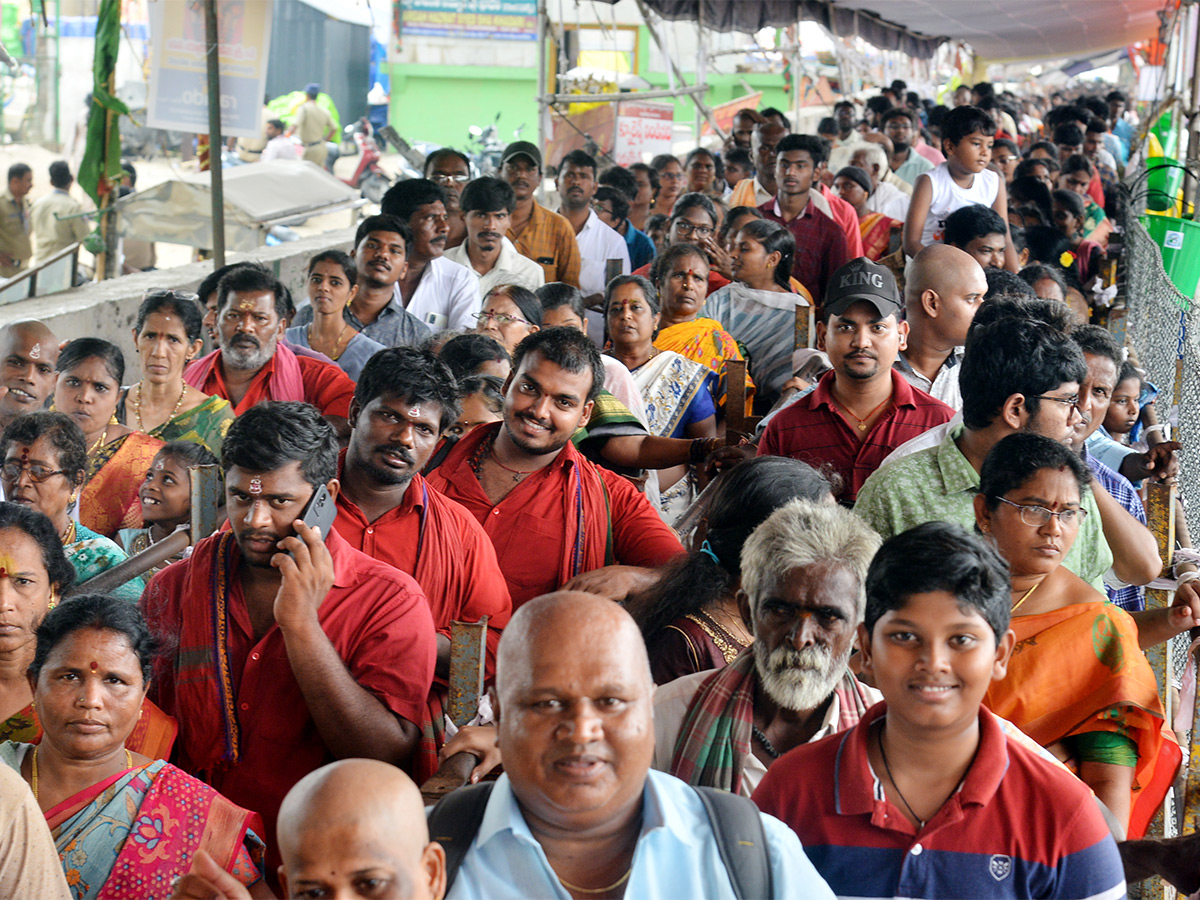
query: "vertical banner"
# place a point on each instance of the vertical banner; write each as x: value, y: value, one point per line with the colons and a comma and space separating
x: 178, y: 89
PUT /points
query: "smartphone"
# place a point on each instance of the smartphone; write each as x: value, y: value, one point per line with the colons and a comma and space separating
x: 320, y: 511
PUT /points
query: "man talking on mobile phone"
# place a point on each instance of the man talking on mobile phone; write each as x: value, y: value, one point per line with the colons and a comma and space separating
x: 285, y: 649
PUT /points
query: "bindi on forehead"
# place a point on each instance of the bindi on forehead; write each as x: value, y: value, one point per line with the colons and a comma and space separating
x: 35, y: 352
x: 93, y: 665
x: 255, y: 486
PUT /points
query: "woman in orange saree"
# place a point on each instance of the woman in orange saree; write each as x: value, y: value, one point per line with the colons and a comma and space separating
x: 88, y: 390
x: 1078, y: 682
x: 854, y: 186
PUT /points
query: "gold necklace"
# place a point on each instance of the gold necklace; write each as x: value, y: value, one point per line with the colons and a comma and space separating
x: 862, y: 423
x: 100, y: 442
x: 68, y: 535
x: 137, y: 406
x: 1025, y: 597
x: 337, y: 343
x: 570, y: 887
x: 33, y: 780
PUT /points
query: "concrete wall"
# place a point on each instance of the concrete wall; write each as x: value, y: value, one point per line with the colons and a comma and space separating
x: 108, y: 309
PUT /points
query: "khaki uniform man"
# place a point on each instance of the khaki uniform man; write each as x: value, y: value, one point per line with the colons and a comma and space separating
x: 16, y: 248
x: 54, y: 230
x: 313, y: 126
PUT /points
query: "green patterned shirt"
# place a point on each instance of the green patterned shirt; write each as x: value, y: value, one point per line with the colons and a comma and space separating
x: 938, y: 483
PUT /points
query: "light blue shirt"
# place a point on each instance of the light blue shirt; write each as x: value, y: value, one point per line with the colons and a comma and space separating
x: 676, y: 856
x: 1108, y: 451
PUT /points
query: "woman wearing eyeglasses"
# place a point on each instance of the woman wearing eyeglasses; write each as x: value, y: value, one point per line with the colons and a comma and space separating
x: 162, y: 404
x: 670, y: 182
x: 510, y: 314
x: 1078, y: 682
x: 44, y: 461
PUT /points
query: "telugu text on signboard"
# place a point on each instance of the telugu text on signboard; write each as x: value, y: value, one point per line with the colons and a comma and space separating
x: 506, y: 20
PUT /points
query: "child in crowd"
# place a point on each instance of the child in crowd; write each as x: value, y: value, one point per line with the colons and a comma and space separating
x: 963, y: 179
x: 166, y: 496
x: 928, y: 796
x: 1125, y: 408
x: 980, y: 231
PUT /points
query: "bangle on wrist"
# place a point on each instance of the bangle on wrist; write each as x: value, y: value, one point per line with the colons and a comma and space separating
x: 701, y: 448
x: 1150, y: 429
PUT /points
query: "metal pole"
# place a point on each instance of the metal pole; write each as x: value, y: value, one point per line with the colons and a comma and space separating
x: 1193, y: 156
x: 701, y: 60
x: 699, y: 89
x: 543, y: 15
x: 214, y: 132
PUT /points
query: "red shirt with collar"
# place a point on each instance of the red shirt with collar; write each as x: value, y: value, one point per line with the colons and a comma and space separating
x: 326, y: 386
x: 534, y: 528
x: 456, y: 565
x: 378, y: 622
x: 812, y: 430
x: 820, y: 246
x: 1018, y: 826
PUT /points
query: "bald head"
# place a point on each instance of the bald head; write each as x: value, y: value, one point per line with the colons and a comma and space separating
x: 943, y: 290
x: 354, y: 821
x: 575, y: 717
x: 570, y: 617
x: 28, y: 352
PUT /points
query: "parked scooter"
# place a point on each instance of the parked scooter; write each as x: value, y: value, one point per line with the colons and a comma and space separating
x: 369, y: 177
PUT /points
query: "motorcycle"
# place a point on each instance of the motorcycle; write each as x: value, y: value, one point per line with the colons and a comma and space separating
x: 485, y: 147
x: 369, y: 177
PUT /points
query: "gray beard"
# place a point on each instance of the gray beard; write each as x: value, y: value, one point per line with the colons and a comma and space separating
x: 798, y: 679
x: 247, y: 358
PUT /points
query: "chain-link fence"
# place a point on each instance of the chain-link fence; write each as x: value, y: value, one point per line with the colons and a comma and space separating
x: 1163, y: 327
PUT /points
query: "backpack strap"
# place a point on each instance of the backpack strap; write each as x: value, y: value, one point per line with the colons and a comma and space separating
x: 455, y: 821
x: 741, y: 841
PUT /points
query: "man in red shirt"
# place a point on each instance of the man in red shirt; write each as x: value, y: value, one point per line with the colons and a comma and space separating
x: 550, y: 513
x: 405, y: 400
x: 253, y: 365
x: 283, y: 651
x: 861, y: 410
x: 820, y: 243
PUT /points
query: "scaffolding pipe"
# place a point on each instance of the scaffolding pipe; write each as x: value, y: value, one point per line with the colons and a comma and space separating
x: 543, y: 16
x: 626, y: 97
x: 692, y: 92
x: 212, y: 52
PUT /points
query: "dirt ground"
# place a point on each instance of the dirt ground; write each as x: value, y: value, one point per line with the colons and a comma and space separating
x: 150, y: 173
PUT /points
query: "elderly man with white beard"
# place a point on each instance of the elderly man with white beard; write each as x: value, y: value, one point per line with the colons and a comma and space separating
x: 802, y: 596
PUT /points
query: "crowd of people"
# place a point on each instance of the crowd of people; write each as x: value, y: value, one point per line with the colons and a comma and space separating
x: 903, y: 651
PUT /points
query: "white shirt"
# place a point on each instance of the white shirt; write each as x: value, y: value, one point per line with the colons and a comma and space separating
x: 890, y: 201
x: 280, y: 147
x: 446, y: 298
x: 510, y: 268
x: 597, y: 244
x: 944, y: 386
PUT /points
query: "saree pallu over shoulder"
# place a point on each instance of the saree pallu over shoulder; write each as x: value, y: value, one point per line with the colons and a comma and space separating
x: 1079, y: 669
x: 109, y: 501
x: 207, y: 424
x: 669, y: 382
x: 705, y: 341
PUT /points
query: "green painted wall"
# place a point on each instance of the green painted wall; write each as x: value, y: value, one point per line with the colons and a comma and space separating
x: 439, y: 103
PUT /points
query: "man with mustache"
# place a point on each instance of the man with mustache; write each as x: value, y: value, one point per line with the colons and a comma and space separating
x: 450, y: 170
x: 404, y: 401
x: 861, y: 410
x: 597, y: 242
x: 253, y: 364
x: 28, y: 352
x: 437, y: 291
x: 578, y: 811
x: 802, y: 595
x: 538, y: 234
x: 551, y: 514
x: 286, y: 648
x: 381, y: 254
x: 487, y: 205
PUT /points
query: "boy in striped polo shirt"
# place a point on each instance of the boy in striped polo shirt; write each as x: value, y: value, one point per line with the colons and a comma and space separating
x: 927, y: 797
